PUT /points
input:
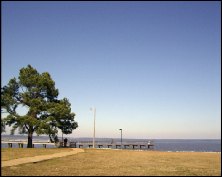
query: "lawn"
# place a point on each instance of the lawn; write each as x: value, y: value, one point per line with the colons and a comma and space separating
x: 98, y: 162
x: 15, y: 153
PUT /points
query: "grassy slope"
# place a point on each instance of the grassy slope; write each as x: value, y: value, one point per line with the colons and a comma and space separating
x: 121, y: 162
x: 15, y: 153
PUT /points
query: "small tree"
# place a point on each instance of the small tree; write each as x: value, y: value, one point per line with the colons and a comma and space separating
x: 45, y: 113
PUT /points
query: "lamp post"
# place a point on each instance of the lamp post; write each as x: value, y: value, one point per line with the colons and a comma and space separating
x: 94, y: 115
x: 62, y: 136
x: 121, y: 136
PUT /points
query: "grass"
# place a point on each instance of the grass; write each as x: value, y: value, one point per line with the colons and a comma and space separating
x: 15, y: 153
x: 104, y: 162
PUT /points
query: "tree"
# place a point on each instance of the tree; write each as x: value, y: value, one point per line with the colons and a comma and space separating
x: 2, y: 121
x: 37, y: 94
x: 2, y: 126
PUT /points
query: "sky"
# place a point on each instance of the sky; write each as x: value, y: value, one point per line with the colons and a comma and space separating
x: 152, y: 69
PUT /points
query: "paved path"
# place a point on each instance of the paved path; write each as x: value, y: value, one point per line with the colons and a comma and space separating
x: 39, y: 158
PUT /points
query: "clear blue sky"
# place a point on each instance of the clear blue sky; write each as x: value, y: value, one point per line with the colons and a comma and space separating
x: 150, y: 68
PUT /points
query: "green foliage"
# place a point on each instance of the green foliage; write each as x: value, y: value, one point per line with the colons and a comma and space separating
x: 37, y: 93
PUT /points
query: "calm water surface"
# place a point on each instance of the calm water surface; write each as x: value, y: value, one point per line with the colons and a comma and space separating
x: 196, y: 145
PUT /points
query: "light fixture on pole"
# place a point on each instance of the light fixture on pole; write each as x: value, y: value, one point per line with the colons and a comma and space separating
x: 121, y: 136
x: 94, y: 115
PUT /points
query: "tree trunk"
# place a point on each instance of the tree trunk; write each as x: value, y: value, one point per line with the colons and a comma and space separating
x: 29, y: 145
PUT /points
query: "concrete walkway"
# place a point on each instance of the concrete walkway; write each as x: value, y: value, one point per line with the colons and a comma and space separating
x: 19, y: 161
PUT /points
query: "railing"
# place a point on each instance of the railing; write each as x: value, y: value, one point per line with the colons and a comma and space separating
x: 87, y: 144
x: 21, y: 143
x: 124, y: 145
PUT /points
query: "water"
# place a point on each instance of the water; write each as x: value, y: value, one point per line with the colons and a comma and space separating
x: 196, y: 145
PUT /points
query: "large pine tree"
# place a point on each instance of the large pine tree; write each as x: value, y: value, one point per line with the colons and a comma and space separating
x: 37, y: 94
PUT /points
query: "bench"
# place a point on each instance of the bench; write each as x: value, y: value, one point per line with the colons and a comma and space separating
x: 125, y: 145
x: 150, y: 145
x: 109, y: 145
x: 80, y: 145
x: 134, y: 145
x: 142, y: 145
x: 117, y: 145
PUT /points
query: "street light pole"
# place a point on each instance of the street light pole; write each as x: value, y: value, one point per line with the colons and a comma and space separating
x: 94, y: 129
x: 121, y: 136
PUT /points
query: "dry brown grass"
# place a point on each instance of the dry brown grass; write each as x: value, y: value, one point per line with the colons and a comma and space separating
x: 15, y: 153
x: 98, y: 162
